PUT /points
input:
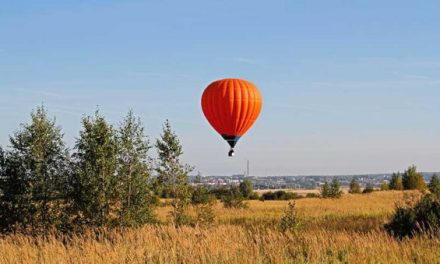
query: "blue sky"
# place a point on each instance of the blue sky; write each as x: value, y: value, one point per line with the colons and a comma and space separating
x: 348, y: 86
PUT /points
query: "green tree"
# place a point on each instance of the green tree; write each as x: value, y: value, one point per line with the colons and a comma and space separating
x: 354, y: 186
x: 95, y: 184
x: 34, y: 177
x: 234, y: 198
x: 171, y: 173
x: 396, y: 182
x: 413, y: 180
x: 289, y: 221
x: 2, y: 171
x: 335, y: 187
x: 134, y: 173
x: 421, y: 218
x: 325, y: 190
x: 172, y: 179
x: 331, y: 190
x: 246, y: 188
x: 434, y: 185
x: 201, y: 195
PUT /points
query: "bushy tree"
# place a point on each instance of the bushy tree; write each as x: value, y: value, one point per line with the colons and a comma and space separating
x: 434, y: 185
x: 2, y: 170
x: 234, y: 198
x: 331, y: 190
x: 289, y: 221
x: 96, y: 185
x: 201, y: 195
x: 368, y: 189
x: 423, y: 217
x: 413, y: 180
x: 172, y: 179
x: 133, y: 173
x: 354, y: 186
x: 280, y: 195
x: 396, y: 182
x: 171, y: 173
x: 34, y: 175
x: 246, y: 188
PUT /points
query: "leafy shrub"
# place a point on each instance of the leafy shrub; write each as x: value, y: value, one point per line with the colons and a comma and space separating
x: 396, y: 181
x: 423, y: 217
x: 280, y: 195
x: 201, y: 195
x: 234, y: 198
x: 246, y: 188
x: 312, y: 195
x: 219, y: 193
x: 434, y: 185
x: 413, y: 180
x: 289, y: 221
x: 368, y: 189
x: 354, y: 187
x: 331, y: 190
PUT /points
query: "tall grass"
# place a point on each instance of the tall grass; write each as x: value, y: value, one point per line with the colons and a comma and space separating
x: 346, y: 230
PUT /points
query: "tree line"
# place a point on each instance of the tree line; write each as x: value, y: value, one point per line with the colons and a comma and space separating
x: 410, y: 179
x: 105, y: 180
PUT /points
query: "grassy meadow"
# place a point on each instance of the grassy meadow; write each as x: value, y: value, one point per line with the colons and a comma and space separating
x: 345, y: 230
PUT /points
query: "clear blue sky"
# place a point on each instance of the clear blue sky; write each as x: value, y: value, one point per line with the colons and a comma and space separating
x: 348, y: 86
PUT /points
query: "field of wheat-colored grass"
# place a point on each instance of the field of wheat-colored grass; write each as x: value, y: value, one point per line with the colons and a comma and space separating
x: 346, y: 230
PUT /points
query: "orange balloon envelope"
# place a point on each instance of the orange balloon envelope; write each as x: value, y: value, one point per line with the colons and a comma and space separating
x: 231, y: 106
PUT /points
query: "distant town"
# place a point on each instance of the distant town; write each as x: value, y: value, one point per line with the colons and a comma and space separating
x: 310, y: 182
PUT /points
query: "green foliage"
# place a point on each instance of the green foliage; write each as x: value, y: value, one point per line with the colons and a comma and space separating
x: 201, y: 195
x: 246, y: 188
x: 234, y: 198
x: 134, y: 170
x: 413, y: 180
x: 171, y: 173
x: 34, y: 175
x: 172, y: 179
x: 368, y: 189
x: 354, y: 187
x: 423, y: 217
x: 434, y: 185
x: 384, y: 186
x: 280, y: 195
x: 289, y: 221
x: 312, y: 195
x: 396, y: 182
x: 219, y: 193
x: 332, y: 190
x: 96, y: 185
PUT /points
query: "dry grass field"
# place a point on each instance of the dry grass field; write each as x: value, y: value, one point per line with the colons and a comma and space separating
x: 346, y: 230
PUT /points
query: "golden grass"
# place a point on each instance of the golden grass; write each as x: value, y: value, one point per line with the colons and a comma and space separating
x: 347, y: 230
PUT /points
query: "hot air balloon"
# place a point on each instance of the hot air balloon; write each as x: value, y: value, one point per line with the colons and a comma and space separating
x: 231, y: 106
